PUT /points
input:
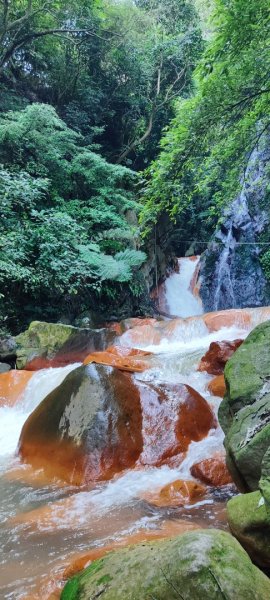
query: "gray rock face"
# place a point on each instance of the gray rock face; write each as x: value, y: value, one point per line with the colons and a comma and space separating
x: 4, y: 367
x: 231, y: 273
x: 8, y: 348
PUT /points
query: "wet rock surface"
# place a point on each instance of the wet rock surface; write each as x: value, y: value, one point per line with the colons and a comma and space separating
x: 177, y: 493
x: 125, y: 359
x: 100, y: 421
x: 217, y: 386
x: 87, y: 429
x: 245, y: 417
x: 197, y: 565
x: 217, y: 356
x: 231, y: 271
x: 249, y: 520
x: 56, y: 345
x: 212, y: 471
x: 173, y: 416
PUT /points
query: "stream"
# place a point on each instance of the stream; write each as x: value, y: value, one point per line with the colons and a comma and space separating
x: 45, y: 527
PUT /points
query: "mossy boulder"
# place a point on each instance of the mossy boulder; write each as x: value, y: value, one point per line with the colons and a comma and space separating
x: 247, y: 441
x: 57, y: 344
x: 249, y: 520
x: 247, y: 374
x: 200, y: 565
x: 244, y: 413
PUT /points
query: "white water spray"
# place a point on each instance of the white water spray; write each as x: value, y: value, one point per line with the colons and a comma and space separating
x: 13, y: 418
x: 179, y: 298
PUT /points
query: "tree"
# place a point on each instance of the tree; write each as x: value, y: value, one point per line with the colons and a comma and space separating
x: 207, y: 147
x: 21, y: 23
x: 65, y: 238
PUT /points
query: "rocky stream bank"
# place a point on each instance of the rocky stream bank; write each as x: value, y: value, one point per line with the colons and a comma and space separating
x: 126, y: 449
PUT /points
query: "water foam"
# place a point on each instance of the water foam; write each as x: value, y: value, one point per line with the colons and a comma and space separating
x: 179, y: 298
x: 13, y: 418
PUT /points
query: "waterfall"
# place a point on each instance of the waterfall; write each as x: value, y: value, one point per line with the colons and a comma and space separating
x: 223, y: 272
x: 179, y: 298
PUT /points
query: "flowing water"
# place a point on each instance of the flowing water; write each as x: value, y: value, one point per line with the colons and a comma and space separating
x: 179, y: 297
x: 44, y: 526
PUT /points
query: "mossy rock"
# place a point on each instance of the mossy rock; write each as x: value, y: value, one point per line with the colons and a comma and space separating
x: 264, y: 483
x: 199, y: 565
x: 247, y: 441
x: 249, y: 520
x: 247, y: 374
x: 56, y: 344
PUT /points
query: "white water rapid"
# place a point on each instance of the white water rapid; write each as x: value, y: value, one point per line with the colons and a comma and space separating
x: 179, y: 298
x: 13, y: 418
x: 43, y: 527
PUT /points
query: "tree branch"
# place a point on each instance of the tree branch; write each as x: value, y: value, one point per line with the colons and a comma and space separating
x: 135, y: 143
x: 16, y: 45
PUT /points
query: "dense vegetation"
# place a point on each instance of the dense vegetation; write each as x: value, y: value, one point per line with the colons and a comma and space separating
x: 86, y: 88
x: 107, y: 106
x: 207, y: 146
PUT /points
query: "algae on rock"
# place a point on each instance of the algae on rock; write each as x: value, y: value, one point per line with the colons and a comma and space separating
x: 200, y: 565
x: 249, y: 520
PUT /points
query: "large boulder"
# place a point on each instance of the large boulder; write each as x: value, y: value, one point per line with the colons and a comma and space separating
x: 100, y: 420
x: 244, y: 413
x: 87, y: 429
x: 56, y: 344
x: 247, y: 374
x: 245, y: 417
x: 200, y: 565
x: 249, y: 520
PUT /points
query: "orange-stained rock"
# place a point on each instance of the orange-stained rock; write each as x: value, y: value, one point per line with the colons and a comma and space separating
x: 100, y: 421
x: 216, y: 357
x: 125, y: 359
x: 12, y: 386
x: 212, y: 471
x: 217, y: 386
x: 227, y: 318
x: 116, y: 327
x: 141, y: 335
x: 173, y: 416
x: 176, y: 493
x: 87, y: 429
x: 137, y: 322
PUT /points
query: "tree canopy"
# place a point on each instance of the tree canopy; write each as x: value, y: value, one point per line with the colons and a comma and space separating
x: 207, y: 146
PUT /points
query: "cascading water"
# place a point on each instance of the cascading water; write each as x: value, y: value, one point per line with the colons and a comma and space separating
x: 179, y: 297
x: 13, y: 418
x: 60, y: 522
x: 223, y: 272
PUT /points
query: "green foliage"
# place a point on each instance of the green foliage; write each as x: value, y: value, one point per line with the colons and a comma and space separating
x: 205, y: 151
x: 98, y: 63
x: 58, y: 216
x: 265, y: 261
